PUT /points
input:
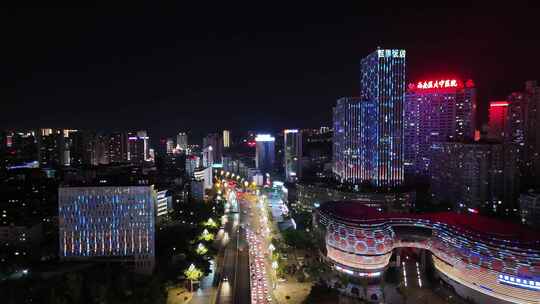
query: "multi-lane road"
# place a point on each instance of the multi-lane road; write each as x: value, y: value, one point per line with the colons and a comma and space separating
x: 234, y: 284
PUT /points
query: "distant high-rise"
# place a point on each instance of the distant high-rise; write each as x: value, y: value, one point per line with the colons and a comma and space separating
x: 523, y: 131
x: 53, y: 149
x: 170, y: 145
x: 469, y: 175
x: 293, y: 154
x: 182, y: 141
x: 214, y: 140
x: 382, y: 97
x: 115, y: 223
x: 436, y: 111
x: 117, y: 147
x: 264, y: 153
x: 498, y: 118
x: 347, y: 151
x: 137, y: 147
x: 226, y: 138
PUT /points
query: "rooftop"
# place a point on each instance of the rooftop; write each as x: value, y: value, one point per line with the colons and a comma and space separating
x: 474, y: 224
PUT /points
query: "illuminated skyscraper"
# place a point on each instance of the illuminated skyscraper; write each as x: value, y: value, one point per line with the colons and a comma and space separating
x: 347, y: 162
x: 115, y: 223
x: 264, y: 153
x: 293, y: 154
x: 436, y: 111
x: 182, y: 141
x: 117, y: 147
x: 170, y: 145
x: 523, y: 130
x: 214, y: 141
x: 498, y: 118
x: 138, y: 147
x: 226, y: 138
x: 468, y: 175
x: 382, y: 97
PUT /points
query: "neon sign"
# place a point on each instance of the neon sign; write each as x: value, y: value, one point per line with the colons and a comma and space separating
x: 442, y: 84
x: 437, y: 84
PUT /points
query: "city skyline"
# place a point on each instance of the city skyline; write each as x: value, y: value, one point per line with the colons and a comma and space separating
x: 230, y: 154
x: 178, y: 77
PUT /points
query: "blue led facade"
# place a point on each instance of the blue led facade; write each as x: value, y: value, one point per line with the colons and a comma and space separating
x: 383, y: 94
x: 368, y: 130
x: 116, y: 222
x: 346, y: 140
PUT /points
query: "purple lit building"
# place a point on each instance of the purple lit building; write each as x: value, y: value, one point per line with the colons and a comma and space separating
x: 436, y: 111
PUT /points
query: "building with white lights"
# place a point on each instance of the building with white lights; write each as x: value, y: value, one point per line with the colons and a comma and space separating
x: 226, y: 138
x: 108, y: 224
x: 182, y: 141
x: 368, y: 131
x: 293, y: 154
x: 265, y: 153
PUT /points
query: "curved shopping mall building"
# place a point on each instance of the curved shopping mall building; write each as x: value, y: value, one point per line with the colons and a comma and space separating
x: 497, y: 259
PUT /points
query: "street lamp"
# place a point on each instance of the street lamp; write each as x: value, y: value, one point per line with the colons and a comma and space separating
x: 193, y: 274
x: 201, y: 249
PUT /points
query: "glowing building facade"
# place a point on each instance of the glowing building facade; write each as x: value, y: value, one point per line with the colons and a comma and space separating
x: 496, y: 259
x: 265, y: 153
x: 182, y: 141
x: 368, y: 130
x: 108, y: 223
x: 293, y: 154
x: 498, y: 119
x: 226, y: 138
x: 436, y: 111
x: 347, y: 157
x: 382, y: 97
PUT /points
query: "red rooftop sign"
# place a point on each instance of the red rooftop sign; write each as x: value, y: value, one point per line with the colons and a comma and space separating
x: 440, y: 84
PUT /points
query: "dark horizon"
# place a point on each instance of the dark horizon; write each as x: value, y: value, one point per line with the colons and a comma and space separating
x: 170, y: 67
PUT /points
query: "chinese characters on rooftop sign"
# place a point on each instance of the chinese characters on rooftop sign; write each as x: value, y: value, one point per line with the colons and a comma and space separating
x: 391, y: 53
x: 448, y: 83
x: 440, y: 84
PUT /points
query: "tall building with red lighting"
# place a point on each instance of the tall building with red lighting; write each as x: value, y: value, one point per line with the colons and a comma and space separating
x: 498, y: 112
x: 436, y: 110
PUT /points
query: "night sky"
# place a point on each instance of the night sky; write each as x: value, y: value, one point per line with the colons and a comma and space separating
x: 170, y: 66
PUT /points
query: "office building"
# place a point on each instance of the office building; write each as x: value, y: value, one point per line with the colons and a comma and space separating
x: 498, y: 119
x: 170, y: 146
x: 265, y: 153
x: 138, y: 147
x: 293, y: 154
x: 382, y: 96
x: 213, y: 143
x: 436, y: 111
x: 226, y: 138
x: 182, y: 141
x: 368, y: 131
x: 108, y: 223
x: 117, y: 147
x: 164, y: 205
x: 197, y: 189
x: 192, y: 162
x: 347, y: 161
x: 53, y: 150
x: 205, y: 175
x: 523, y: 131
x: 469, y: 175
